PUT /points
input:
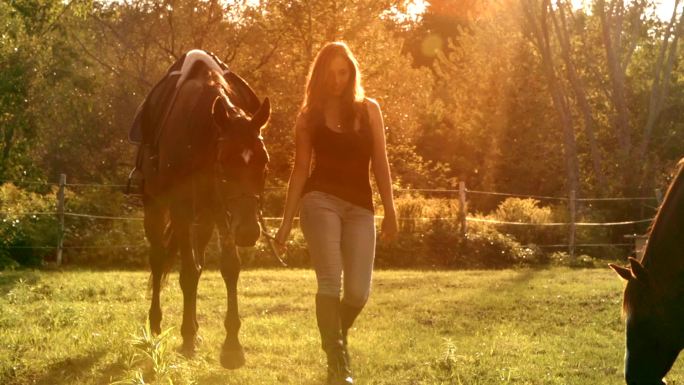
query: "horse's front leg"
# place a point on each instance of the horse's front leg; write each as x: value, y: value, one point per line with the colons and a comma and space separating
x: 190, y: 271
x: 201, y: 235
x: 232, y: 354
x: 154, y: 232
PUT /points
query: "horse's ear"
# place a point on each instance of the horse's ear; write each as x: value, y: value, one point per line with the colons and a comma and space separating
x: 623, y: 272
x: 638, y: 269
x: 262, y: 115
x: 219, y: 111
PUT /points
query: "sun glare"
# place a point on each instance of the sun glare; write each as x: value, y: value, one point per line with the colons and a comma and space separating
x: 413, y: 12
x: 416, y: 8
x: 662, y: 8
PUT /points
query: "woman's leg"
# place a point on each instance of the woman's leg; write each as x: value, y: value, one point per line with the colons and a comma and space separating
x: 321, y: 225
x: 358, y: 255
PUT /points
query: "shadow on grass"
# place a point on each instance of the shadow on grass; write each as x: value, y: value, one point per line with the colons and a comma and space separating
x: 221, y: 377
x: 74, y: 370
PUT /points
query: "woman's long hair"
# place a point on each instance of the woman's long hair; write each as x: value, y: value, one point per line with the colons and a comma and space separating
x: 317, y: 85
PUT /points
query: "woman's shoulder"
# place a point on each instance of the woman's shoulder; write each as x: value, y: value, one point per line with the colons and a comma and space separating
x: 307, y: 120
x: 372, y: 108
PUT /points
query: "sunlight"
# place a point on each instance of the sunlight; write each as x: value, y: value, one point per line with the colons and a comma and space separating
x: 662, y: 8
x: 416, y: 8
x: 414, y: 11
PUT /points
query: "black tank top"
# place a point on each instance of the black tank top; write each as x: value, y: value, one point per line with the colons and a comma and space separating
x: 342, y: 162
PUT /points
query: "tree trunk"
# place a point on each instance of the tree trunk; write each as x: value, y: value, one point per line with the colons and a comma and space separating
x: 558, y: 95
x: 661, y: 81
x: 618, y: 59
x: 580, y: 92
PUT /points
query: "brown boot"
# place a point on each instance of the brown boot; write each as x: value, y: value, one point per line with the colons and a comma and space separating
x: 328, y: 318
x: 348, y: 314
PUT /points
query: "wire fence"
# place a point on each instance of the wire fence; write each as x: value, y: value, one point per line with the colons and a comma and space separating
x: 469, y: 219
x: 405, y: 190
x: 461, y: 193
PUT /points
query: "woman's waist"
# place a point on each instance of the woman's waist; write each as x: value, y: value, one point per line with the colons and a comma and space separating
x: 352, y: 179
x: 362, y: 197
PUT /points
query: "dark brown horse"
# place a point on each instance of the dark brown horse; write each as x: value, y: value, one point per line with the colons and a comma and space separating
x: 653, y: 302
x: 206, y: 170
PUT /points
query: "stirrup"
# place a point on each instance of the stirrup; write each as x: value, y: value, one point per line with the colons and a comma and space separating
x: 136, y: 175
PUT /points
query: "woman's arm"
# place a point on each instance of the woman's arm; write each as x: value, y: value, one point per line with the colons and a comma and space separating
x: 381, y: 170
x: 300, y: 172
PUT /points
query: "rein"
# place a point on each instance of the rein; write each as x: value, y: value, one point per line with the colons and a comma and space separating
x: 270, y: 239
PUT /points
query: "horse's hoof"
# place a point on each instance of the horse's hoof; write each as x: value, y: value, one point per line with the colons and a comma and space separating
x: 187, y: 350
x: 232, y: 358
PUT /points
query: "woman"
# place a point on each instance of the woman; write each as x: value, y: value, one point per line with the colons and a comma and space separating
x: 344, y: 132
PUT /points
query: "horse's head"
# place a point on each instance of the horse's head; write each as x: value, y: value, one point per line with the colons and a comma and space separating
x: 241, y: 165
x: 651, y: 348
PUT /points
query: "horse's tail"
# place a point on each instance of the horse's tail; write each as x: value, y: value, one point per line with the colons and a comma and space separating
x: 169, y: 257
x: 171, y: 254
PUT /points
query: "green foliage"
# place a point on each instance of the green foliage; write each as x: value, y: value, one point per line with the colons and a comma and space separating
x: 463, y: 91
x: 429, y: 233
x: 434, y: 239
x: 530, y: 211
x: 28, y: 233
x: 101, y: 241
x: 561, y: 258
x: 497, y: 249
x: 154, y: 361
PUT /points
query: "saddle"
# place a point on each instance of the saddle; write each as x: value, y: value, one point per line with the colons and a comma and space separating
x: 147, y: 137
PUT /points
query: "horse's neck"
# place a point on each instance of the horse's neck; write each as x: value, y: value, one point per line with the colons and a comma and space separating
x: 664, y: 256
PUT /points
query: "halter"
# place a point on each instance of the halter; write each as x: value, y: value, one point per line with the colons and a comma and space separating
x: 219, y: 180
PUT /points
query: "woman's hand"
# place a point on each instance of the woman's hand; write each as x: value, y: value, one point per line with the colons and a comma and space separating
x: 281, y: 237
x: 389, y: 228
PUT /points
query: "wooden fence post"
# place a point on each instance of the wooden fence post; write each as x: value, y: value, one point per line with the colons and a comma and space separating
x: 573, y: 219
x: 463, y: 204
x: 60, y: 215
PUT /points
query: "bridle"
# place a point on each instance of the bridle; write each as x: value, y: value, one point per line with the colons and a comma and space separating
x: 220, y: 179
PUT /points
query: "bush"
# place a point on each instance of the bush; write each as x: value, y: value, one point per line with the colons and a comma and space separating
x: 27, y: 236
x: 437, y: 241
x: 418, y: 216
x: 606, y: 234
x: 104, y: 242
x: 530, y: 211
x: 561, y: 258
x: 485, y: 246
x: 274, y: 202
x: 429, y: 233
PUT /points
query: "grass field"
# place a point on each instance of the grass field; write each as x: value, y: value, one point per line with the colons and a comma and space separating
x: 553, y: 326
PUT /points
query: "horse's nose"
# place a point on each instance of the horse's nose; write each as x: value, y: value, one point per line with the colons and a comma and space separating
x: 247, y: 234
x: 641, y: 381
x: 639, y: 371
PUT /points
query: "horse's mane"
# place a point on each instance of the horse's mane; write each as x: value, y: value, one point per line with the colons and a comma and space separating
x: 657, y: 235
x: 658, y: 227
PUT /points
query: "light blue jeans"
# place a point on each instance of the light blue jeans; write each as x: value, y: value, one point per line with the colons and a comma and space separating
x: 341, y: 240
